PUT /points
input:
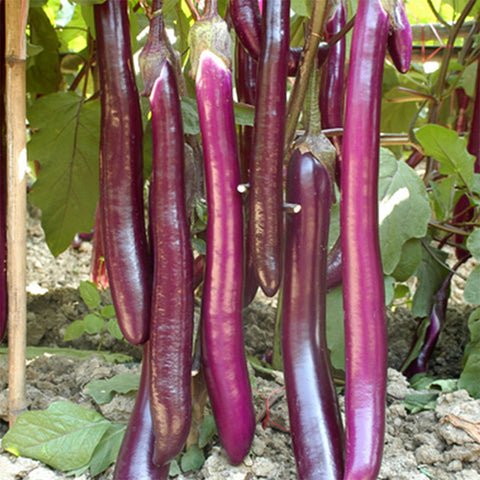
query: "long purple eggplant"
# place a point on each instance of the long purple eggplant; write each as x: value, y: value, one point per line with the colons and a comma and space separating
x: 332, y: 88
x: 266, y: 196
x: 363, y: 290
x: 315, y: 421
x: 400, y: 38
x: 3, y: 182
x: 134, y: 461
x: 247, y: 22
x: 171, y: 333
x: 121, y: 174
x: 223, y: 356
x: 245, y: 83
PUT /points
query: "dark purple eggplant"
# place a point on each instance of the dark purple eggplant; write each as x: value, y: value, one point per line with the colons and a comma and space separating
x: 400, y: 38
x: 223, y: 356
x: 363, y: 288
x: 134, y: 461
x: 315, y: 421
x: 332, y: 88
x: 247, y: 22
x: 437, y: 320
x: 121, y: 174
x: 245, y: 82
x: 266, y: 195
x: 171, y: 333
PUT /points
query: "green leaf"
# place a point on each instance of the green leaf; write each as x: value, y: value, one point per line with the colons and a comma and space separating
x: 199, y: 245
x: 75, y: 330
x: 108, y: 311
x: 114, y: 329
x: 471, y: 292
x: 207, y: 430
x: 449, y: 149
x: 65, y: 143
x: 410, y: 258
x: 402, y: 196
x: 192, y: 459
x: 64, y: 436
x: 430, y: 274
x: 90, y: 294
x: 244, y: 114
x: 416, y: 402
x: 93, y: 323
x: 191, y: 124
x: 107, y: 450
x: 335, y: 328
x: 471, y: 361
x: 174, y: 469
x: 443, y: 196
x: 302, y: 7
x: 43, y: 73
x: 473, y: 243
x: 103, y: 391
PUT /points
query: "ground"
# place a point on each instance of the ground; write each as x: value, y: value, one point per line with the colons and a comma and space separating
x: 430, y: 444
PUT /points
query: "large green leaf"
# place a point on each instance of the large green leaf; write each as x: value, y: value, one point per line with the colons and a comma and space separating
x: 64, y: 436
x: 66, y: 145
x: 471, y: 293
x: 431, y: 273
x: 103, y: 391
x: 43, y: 73
x: 449, y: 150
x: 404, y: 210
x: 107, y: 450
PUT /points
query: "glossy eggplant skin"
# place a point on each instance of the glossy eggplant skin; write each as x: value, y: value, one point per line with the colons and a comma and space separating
x: 171, y: 333
x: 315, y: 421
x: 223, y: 356
x: 363, y: 289
x: 3, y: 182
x: 121, y: 174
x: 331, y: 95
x: 332, y: 88
x: 246, y: 86
x: 134, y: 461
x: 247, y: 22
x: 266, y: 195
x: 400, y: 39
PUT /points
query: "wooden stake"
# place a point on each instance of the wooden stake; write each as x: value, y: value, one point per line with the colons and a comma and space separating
x: 16, y: 12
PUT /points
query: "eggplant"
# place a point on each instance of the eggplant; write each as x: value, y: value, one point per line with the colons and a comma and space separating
x: 121, y: 174
x: 363, y: 288
x: 222, y: 352
x: 315, y: 421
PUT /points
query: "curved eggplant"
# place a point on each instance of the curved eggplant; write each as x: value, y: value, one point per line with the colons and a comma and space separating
x: 121, y: 174
x: 171, y: 333
x: 223, y: 356
x: 315, y: 421
x: 266, y: 194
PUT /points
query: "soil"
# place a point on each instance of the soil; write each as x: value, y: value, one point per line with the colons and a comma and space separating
x: 418, y: 446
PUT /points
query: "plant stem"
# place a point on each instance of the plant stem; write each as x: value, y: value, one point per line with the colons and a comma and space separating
x: 15, y: 55
x: 307, y: 60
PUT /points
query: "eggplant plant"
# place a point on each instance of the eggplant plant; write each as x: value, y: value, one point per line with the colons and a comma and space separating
x: 361, y: 211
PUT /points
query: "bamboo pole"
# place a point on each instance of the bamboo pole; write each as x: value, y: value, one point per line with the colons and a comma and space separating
x: 16, y: 12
